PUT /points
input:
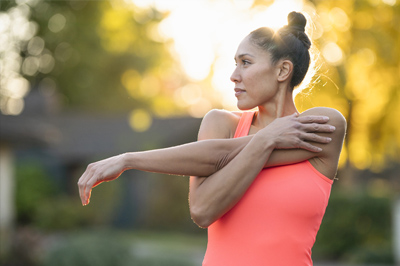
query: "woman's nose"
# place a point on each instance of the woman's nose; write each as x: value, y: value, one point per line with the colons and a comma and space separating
x: 235, y: 77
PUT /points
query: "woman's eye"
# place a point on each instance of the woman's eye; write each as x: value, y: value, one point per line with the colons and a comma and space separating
x: 243, y: 62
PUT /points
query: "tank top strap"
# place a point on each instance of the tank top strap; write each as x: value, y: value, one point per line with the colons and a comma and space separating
x: 244, y: 124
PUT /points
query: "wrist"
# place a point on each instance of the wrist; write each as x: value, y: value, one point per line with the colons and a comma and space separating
x: 265, y: 141
x: 127, y: 160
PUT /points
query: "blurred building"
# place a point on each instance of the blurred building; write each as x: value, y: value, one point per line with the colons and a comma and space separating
x: 69, y: 141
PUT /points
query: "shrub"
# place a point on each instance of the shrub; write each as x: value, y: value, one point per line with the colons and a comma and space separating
x: 354, y: 225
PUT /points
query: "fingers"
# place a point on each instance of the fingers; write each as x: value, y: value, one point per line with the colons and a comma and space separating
x: 320, y: 119
x: 315, y: 138
x: 318, y: 128
x: 82, y: 188
x: 307, y: 146
x: 85, y: 185
x: 306, y: 138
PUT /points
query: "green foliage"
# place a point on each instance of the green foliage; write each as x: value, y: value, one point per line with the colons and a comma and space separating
x: 111, y: 248
x: 356, y: 228
x: 168, y: 207
x: 101, y: 40
x: 60, y: 213
x: 42, y: 204
x: 34, y: 186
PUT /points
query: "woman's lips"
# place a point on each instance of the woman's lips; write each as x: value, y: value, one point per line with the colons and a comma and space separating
x: 239, y: 92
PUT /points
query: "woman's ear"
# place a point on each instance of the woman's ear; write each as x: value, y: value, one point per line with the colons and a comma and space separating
x: 285, y: 70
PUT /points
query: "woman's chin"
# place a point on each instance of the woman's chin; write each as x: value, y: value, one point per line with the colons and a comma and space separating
x: 244, y: 107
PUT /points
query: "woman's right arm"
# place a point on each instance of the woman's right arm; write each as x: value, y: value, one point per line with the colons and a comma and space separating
x: 202, y: 158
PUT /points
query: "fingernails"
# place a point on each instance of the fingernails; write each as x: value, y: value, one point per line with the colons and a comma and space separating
x: 319, y: 149
x: 332, y: 128
x: 329, y: 139
x: 325, y: 118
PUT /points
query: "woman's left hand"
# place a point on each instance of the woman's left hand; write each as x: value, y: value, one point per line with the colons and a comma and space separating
x: 294, y: 132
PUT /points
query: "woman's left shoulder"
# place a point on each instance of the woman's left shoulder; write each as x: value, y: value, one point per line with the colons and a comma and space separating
x: 327, y: 160
x: 335, y: 117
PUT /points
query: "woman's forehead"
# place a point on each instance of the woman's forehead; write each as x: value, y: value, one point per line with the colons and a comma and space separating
x: 248, y: 48
x: 245, y: 47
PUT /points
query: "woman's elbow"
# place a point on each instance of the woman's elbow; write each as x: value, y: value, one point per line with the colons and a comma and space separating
x: 200, y: 217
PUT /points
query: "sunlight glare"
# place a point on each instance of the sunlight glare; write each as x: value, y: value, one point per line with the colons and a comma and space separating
x: 206, y: 33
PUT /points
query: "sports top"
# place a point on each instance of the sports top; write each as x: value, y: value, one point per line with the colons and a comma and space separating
x: 277, y: 219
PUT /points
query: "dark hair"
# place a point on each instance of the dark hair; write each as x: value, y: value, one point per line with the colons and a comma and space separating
x: 289, y: 42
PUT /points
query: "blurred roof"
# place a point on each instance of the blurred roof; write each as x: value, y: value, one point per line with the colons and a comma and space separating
x: 79, y: 136
x: 19, y: 130
x: 86, y: 135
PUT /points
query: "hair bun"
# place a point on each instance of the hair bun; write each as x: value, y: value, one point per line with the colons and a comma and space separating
x: 297, y: 21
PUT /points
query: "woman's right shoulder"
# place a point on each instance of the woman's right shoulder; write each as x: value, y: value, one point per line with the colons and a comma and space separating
x: 219, y: 124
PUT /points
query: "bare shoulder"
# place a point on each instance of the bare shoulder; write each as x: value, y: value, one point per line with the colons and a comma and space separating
x: 326, y: 161
x: 335, y: 117
x: 218, y: 124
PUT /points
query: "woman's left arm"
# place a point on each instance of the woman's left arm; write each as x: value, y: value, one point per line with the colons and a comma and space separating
x: 325, y: 161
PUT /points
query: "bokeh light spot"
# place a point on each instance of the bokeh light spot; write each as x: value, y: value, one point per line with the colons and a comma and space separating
x: 200, y: 108
x: 332, y: 53
x: 46, y: 63
x: 190, y: 94
x: 63, y: 52
x: 130, y: 79
x: 339, y: 19
x: 149, y: 86
x: 17, y: 87
x: 389, y: 2
x: 30, y: 65
x: 57, y: 23
x: 140, y: 120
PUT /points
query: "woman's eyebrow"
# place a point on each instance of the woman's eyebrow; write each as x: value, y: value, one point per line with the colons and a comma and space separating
x: 242, y: 55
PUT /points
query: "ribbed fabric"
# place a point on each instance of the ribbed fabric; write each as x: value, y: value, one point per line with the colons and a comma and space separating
x: 276, y: 221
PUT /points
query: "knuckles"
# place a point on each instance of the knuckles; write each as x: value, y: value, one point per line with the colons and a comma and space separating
x: 297, y: 142
x: 297, y: 125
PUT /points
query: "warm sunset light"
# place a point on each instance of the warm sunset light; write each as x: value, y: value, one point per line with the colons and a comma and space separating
x: 91, y: 90
x: 206, y: 35
x: 172, y: 58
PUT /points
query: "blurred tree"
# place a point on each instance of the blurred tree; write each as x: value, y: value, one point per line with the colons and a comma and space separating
x: 110, y: 55
x: 359, y: 41
x: 99, y: 55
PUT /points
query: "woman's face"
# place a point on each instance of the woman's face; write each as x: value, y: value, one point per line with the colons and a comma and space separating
x: 255, y: 76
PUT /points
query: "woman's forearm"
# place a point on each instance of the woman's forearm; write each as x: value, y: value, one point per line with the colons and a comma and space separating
x: 212, y: 197
x: 202, y: 158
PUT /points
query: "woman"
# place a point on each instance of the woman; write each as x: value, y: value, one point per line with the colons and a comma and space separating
x: 260, y: 180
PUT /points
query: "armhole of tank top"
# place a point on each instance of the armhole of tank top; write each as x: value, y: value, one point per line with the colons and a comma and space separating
x: 327, y: 179
x: 244, y: 124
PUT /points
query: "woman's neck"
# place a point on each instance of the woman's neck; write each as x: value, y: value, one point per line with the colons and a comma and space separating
x: 281, y: 105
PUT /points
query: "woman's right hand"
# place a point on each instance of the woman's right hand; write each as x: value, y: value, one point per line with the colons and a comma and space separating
x: 97, y: 173
x: 296, y: 132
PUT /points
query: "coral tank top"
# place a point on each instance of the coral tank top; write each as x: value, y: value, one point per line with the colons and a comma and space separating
x: 277, y: 219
